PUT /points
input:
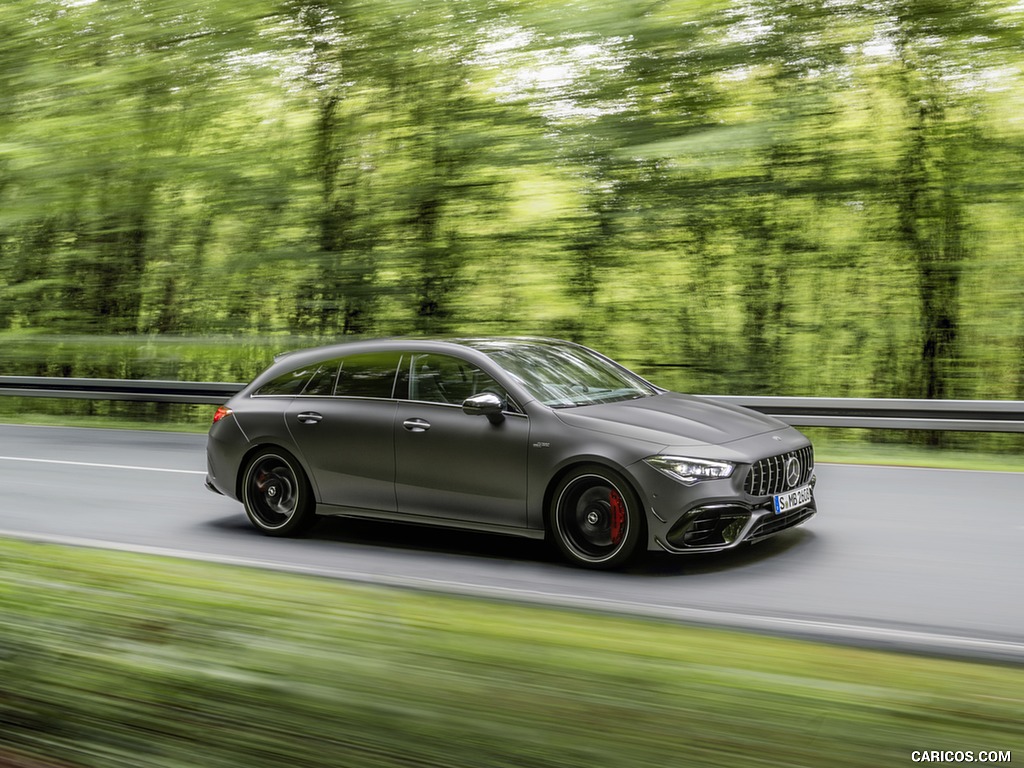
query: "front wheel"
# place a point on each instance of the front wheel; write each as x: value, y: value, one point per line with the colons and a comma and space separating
x: 277, y: 496
x: 596, y: 518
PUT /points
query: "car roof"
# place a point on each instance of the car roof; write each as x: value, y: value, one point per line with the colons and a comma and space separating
x: 473, y: 347
x: 479, y: 343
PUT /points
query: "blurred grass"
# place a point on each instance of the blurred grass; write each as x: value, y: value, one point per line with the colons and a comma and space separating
x: 113, y: 659
x: 859, y: 446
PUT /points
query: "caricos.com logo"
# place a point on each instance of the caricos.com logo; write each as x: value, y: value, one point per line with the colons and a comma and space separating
x: 960, y: 756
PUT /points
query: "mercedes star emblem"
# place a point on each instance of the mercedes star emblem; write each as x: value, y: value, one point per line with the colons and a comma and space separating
x: 792, y: 471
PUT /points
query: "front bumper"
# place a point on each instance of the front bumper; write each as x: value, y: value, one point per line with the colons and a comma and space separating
x: 711, y: 516
x: 717, y: 527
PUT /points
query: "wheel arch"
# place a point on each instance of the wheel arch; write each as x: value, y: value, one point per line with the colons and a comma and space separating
x: 578, y: 462
x: 594, y: 543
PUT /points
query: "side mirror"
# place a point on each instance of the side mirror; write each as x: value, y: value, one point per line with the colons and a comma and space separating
x: 485, y: 404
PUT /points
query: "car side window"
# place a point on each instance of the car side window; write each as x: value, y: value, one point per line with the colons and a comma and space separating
x: 435, y: 378
x: 290, y: 383
x: 368, y: 375
x: 322, y: 382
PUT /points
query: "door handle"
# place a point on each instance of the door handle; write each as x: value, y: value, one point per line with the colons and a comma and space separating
x: 416, y: 425
x: 309, y: 417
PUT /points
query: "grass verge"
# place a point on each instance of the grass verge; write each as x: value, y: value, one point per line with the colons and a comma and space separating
x: 196, y: 426
x: 857, y: 447
x: 197, y: 420
x: 111, y: 659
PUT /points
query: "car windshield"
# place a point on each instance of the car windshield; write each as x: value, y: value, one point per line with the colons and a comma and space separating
x: 563, y: 376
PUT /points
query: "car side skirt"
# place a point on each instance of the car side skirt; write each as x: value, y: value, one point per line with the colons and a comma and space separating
x: 330, y: 510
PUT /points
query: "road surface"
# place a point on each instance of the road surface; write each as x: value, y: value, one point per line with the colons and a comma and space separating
x: 920, y: 559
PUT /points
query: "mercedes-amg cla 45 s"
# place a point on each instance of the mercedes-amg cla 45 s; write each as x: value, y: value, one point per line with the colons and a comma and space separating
x: 523, y: 436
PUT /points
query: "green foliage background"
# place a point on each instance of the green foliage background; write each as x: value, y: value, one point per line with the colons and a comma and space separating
x: 813, y: 197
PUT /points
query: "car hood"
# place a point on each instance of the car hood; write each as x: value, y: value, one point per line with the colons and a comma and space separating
x: 672, y: 419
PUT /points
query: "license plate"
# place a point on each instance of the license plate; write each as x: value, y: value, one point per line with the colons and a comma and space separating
x: 799, y: 497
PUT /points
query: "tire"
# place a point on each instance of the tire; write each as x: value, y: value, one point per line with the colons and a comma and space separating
x: 276, y: 493
x: 596, y: 519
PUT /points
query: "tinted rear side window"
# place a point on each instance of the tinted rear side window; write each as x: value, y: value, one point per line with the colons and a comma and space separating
x: 368, y: 375
x: 290, y: 383
x: 323, y: 380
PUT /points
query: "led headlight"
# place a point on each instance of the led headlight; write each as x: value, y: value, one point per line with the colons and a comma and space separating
x: 689, y: 471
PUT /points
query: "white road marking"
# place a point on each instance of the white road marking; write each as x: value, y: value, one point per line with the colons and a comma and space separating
x: 935, y: 642
x: 103, y: 466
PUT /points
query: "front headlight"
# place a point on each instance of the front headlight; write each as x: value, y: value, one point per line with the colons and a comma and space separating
x: 689, y: 471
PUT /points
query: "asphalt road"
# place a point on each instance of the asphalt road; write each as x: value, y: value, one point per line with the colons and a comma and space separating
x: 925, y: 560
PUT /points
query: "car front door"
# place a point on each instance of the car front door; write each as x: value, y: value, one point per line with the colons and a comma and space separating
x: 452, y: 465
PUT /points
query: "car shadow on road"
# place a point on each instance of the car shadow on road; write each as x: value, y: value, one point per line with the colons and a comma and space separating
x: 427, y: 538
x: 780, y: 546
x: 474, y: 544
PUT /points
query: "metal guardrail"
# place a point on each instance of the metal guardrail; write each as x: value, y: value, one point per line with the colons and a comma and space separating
x: 868, y: 413
x: 142, y: 390
x: 881, y: 413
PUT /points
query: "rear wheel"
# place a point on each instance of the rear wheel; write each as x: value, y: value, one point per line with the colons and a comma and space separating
x: 596, y: 518
x: 276, y: 493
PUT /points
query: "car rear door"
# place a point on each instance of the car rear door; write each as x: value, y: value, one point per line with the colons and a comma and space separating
x: 343, y: 424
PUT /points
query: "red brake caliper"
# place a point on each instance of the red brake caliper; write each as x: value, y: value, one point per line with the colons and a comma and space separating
x: 618, y: 509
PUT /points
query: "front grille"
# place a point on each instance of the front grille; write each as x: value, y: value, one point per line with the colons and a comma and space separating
x: 775, y: 523
x: 768, y: 476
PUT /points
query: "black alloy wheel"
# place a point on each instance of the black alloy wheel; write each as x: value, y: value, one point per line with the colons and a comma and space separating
x: 277, y: 496
x: 596, y: 518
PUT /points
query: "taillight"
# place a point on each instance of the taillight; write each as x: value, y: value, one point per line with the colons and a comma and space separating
x: 221, y: 413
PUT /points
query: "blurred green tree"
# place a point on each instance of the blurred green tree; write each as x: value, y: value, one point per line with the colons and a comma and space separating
x: 760, y: 196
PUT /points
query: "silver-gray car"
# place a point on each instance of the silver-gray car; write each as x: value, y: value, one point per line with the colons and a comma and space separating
x: 523, y: 436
